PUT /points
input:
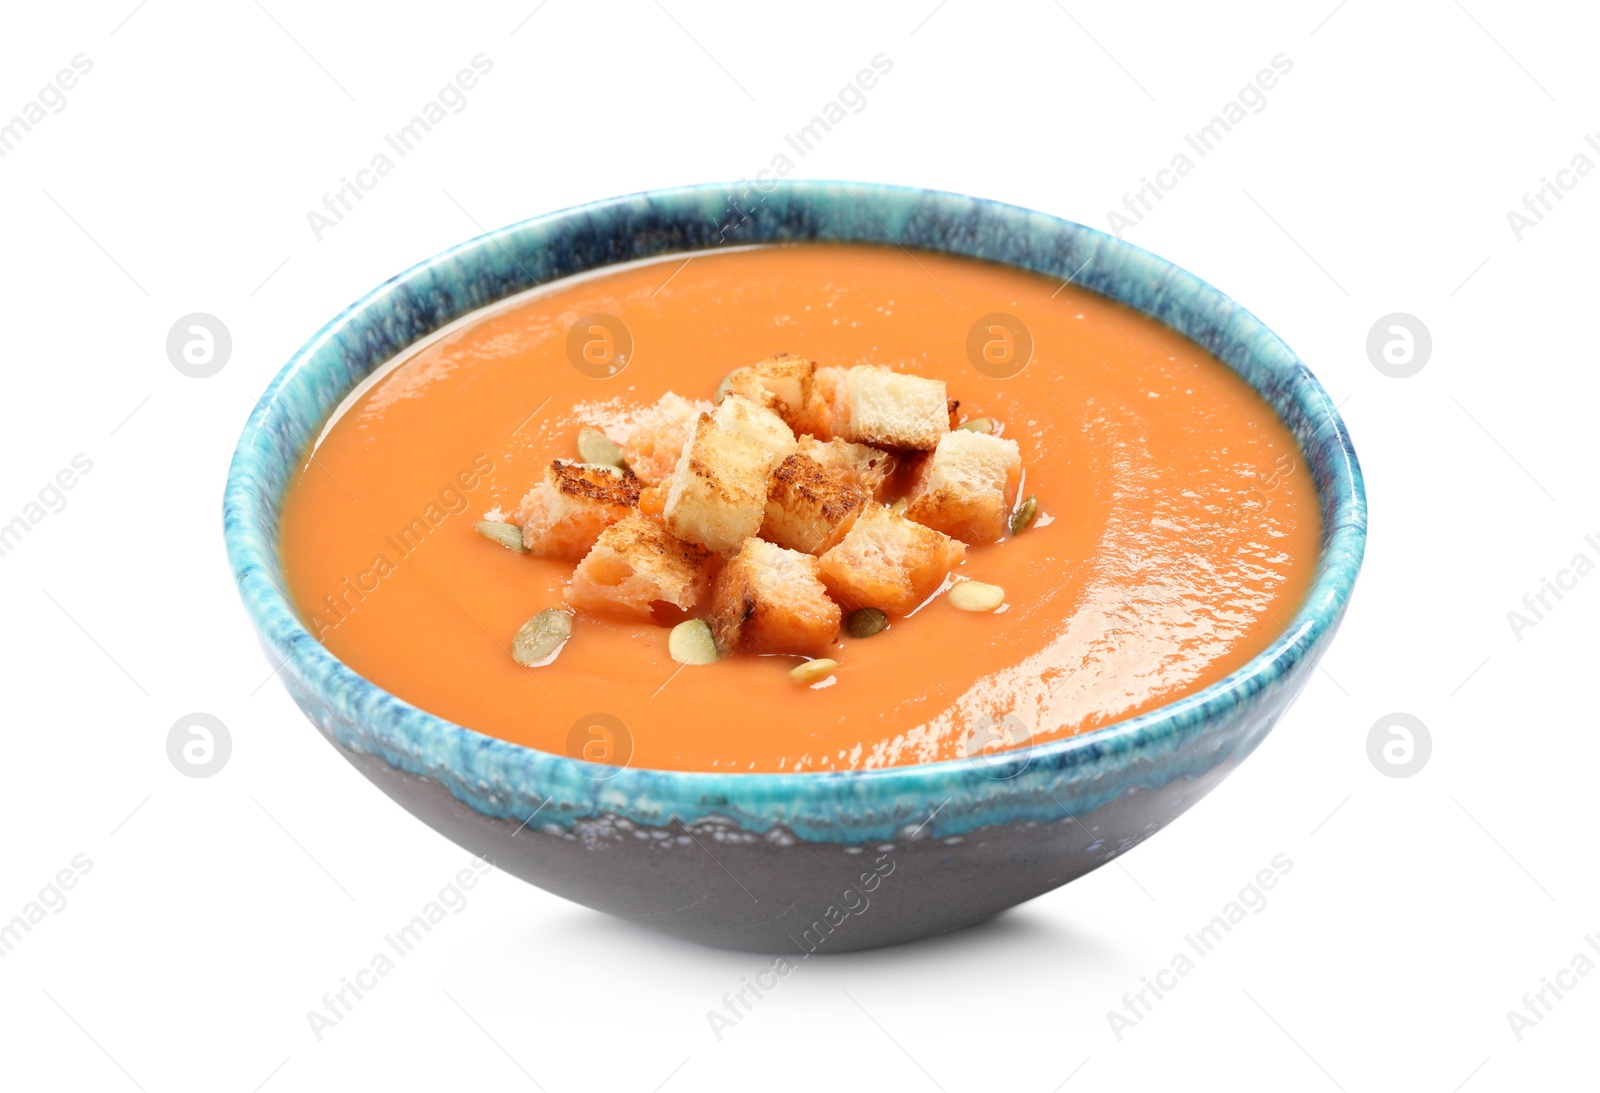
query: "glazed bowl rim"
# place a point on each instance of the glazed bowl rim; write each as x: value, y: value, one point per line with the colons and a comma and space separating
x: 421, y: 742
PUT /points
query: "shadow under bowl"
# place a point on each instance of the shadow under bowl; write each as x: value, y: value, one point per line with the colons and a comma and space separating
x: 788, y: 863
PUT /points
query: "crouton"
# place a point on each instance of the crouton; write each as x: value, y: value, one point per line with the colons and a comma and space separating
x: 757, y: 424
x: 637, y: 563
x: 781, y: 384
x: 770, y: 600
x: 862, y: 466
x: 967, y: 486
x: 658, y: 434
x: 892, y: 409
x: 717, y: 495
x: 824, y: 410
x: 888, y: 562
x: 571, y: 505
x: 809, y: 508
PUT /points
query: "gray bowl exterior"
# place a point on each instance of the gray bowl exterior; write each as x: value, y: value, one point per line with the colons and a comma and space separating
x: 789, y: 863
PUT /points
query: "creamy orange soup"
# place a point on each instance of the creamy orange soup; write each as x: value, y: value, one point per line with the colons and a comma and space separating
x: 1177, y: 534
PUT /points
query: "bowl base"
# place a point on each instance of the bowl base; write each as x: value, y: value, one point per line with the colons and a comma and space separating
x: 717, y: 884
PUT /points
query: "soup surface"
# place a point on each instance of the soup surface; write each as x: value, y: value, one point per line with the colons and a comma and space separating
x: 1178, y: 528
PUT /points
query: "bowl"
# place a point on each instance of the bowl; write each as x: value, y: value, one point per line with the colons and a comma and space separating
x: 788, y: 863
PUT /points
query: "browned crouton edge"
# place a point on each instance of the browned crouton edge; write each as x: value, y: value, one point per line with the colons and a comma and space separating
x: 576, y: 480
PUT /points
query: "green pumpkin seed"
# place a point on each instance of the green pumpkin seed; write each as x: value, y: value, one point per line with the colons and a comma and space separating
x: 507, y: 535
x: 595, y: 447
x: 691, y: 642
x: 541, y: 637
x: 976, y: 596
x: 866, y: 622
x: 900, y: 506
x: 1026, y: 513
x: 977, y: 425
x: 813, y: 670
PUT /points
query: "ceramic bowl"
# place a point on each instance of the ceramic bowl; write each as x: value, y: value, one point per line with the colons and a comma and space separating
x: 788, y: 863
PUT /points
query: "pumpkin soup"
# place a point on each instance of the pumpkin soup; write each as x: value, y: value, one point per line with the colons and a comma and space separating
x: 800, y: 508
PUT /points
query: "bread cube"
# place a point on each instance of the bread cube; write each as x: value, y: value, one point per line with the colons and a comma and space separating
x: 657, y: 437
x: 888, y: 562
x: 809, y: 508
x: 770, y: 600
x: 861, y: 465
x: 717, y: 496
x: 824, y: 404
x: 967, y: 486
x: 571, y: 505
x: 781, y: 384
x: 892, y: 409
x: 756, y: 424
x: 637, y: 563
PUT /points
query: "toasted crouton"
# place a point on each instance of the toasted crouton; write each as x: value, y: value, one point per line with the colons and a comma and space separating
x: 809, y: 508
x: 571, y: 505
x: 861, y: 465
x: 892, y: 409
x: 636, y: 563
x: 756, y: 424
x: 770, y: 600
x: 888, y: 562
x: 825, y: 405
x: 781, y: 384
x: 967, y: 486
x: 717, y: 495
x: 658, y: 434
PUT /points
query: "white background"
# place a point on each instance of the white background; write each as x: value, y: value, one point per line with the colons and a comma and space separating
x: 1377, y: 179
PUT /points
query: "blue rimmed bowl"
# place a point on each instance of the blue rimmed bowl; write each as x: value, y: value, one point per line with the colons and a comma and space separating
x: 788, y: 862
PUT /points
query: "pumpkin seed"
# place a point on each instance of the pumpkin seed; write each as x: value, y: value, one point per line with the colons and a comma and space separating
x: 976, y: 596
x: 977, y: 425
x: 1026, y: 513
x: 595, y: 447
x: 813, y: 670
x: 722, y: 388
x: 507, y: 535
x: 900, y: 505
x: 691, y: 643
x: 866, y: 622
x: 541, y: 637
